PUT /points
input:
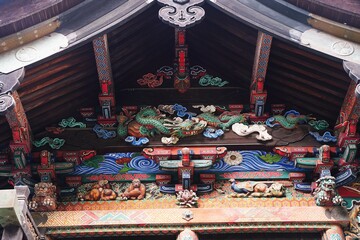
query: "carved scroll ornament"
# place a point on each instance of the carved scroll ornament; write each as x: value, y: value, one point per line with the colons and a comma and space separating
x: 181, y: 13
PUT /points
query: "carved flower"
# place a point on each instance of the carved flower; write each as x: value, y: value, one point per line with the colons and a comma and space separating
x: 233, y: 158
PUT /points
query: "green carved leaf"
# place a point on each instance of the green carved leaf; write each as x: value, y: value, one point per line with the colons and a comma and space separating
x: 94, y: 161
x: 270, y: 158
x: 125, y: 169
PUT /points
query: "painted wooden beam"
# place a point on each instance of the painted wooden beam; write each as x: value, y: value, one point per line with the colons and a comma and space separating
x: 11, y: 107
x: 350, y: 111
x: 19, y: 125
x: 258, y: 93
x: 106, y: 96
x: 230, y: 220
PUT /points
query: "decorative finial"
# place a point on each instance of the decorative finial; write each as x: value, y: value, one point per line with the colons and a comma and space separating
x: 181, y: 13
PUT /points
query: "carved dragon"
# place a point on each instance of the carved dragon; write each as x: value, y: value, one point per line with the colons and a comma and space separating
x: 224, y: 121
x: 289, y: 121
x: 148, y: 122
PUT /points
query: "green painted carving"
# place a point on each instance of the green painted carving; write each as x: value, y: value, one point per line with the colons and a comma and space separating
x: 55, y: 143
x: 71, y: 122
x: 319, y: 125
x: 209, y: 80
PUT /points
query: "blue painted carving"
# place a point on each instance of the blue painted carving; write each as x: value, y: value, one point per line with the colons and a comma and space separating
x: 213, y: 133
x: 326, y: 137
x: 103, y: 133
x: 134, y: 142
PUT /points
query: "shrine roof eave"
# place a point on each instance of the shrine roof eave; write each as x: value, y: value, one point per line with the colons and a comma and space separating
x: 288, y: 22
x: 77, y: 26
x: 90, y: 19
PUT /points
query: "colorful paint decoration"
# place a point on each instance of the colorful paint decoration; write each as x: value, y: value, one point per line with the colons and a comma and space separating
x: 212, y: 132
x: 197, y: 71
x: 181, y: 111
x: 240, y: 161
x: 209, y: 80
x: 55, y: 143
x: 150, y: 80
x: 103, y: 133
x: 326, y: 137
x: 289, y: 121
x: 134, y: 142
x: 113, y: 163
x: 165, y: 71
x: 319, y: 125
x: 71, y: 122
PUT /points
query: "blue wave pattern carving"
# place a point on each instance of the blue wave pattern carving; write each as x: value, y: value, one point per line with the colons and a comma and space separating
x: 251, y: 162
x: 108, y: 166
x: 140, y: 164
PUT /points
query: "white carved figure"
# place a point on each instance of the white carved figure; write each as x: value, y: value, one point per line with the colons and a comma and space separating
x: 244, y: 130
x: 208, y: 108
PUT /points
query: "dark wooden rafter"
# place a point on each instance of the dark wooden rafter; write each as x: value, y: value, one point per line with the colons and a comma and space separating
x: 12, y: 108
x: 106, y: 96
x: 258, y: 93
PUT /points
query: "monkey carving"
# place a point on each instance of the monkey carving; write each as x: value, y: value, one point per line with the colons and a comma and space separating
x: 136, y: 190
x: 100, y: 191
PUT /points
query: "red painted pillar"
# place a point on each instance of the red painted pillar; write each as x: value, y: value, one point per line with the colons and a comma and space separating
x: 181, y: 77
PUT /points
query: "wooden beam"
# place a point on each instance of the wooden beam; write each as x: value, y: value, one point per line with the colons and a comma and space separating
x: 106, y: 96
x: 350, y: 111
x: 11, y: 107
x: 258, y: 94
x: 20, y: 126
